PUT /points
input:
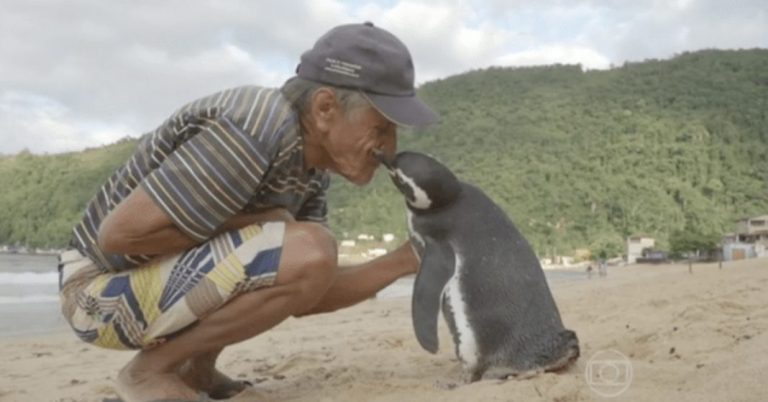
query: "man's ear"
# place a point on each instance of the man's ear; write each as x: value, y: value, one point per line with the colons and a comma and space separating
x: 325, y: 108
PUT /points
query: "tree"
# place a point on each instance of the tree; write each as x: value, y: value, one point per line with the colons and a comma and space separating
x: 691, y: 244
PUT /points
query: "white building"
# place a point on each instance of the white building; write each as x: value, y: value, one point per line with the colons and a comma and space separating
x: 636, y: 245
x: 753, y: 230
x: 749, y: 241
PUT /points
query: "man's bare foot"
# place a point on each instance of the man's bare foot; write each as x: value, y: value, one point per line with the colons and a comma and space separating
x: 211, y: 381
x: 136, y: 384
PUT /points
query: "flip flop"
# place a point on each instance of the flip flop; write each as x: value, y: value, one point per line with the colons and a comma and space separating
x: 225, y: 392
x: 251, y: 394
x: 201, y: 397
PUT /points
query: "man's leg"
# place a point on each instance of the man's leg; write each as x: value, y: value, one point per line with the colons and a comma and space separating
x: 306, y: 271
x: 351, y: 285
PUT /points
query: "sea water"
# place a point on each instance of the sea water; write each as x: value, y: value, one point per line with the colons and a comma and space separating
x: 29, y: 302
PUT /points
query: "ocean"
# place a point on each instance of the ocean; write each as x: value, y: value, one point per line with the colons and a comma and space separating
x: 29, y: 303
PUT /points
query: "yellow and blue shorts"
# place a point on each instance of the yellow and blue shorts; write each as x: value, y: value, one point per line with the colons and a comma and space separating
x: 142, y: 307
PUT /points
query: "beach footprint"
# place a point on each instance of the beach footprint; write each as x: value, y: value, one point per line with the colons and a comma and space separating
x: 302, y: 360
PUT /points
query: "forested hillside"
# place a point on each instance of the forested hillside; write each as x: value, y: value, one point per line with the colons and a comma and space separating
x: 43, y: 196
x: 578, y: 159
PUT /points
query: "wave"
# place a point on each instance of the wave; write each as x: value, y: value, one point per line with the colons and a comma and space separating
x: 28, y: 277
x: 29, y: 299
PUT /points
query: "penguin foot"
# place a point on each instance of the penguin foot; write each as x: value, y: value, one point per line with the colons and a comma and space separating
x: 445, y: 385
x: 469, y: 376
x: 524, y: 375
x: 506, y: 373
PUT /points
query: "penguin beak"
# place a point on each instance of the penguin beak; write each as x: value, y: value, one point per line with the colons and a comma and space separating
x: 382, y: 157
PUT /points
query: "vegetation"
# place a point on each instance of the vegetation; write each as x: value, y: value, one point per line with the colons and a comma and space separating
x: 579, y: 159
x: 688, y: 243
x: 44, y: 196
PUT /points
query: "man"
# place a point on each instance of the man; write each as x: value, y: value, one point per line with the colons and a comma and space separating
x: 213, y: 232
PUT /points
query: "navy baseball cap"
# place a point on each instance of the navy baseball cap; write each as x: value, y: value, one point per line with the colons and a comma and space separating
x: 373, y: 61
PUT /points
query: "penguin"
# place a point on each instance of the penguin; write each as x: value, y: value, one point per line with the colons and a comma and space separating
x: 481, y: 272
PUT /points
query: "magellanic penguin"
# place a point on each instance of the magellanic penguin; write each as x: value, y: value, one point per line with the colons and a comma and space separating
x: 483, y: 273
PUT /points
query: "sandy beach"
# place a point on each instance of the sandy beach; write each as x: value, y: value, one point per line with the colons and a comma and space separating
x: 685, y: 337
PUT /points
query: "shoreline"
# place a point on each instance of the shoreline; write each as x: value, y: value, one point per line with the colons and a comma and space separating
x: 46, y: 253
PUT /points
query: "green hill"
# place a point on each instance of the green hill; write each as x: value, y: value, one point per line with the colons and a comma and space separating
x: 578, y: 159
x: 42, y: 197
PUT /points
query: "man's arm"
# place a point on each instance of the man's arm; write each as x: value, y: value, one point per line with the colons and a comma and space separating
x: 139, y: 226
x: 356, y: 283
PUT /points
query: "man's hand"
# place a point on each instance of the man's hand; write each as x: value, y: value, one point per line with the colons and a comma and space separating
x: 409, y: 261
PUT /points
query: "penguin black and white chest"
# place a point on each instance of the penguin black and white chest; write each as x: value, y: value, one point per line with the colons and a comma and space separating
x: 482, y: 273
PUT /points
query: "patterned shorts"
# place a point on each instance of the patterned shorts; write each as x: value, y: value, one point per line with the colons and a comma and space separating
x: 142, y: 307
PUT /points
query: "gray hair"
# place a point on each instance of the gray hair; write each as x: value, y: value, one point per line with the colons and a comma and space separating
x: 299, y: 92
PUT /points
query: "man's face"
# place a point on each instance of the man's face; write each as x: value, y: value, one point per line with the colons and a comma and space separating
x: 353, y: 137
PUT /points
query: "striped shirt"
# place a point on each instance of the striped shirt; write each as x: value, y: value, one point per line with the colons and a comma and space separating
x: 239, y: 150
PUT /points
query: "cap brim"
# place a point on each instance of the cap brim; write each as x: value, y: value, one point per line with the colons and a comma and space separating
x: 408, y: 111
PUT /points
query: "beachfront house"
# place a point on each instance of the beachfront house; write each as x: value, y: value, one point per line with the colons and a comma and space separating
x: 749, y: 241
x: 753, y: 230
x: 636, y: 245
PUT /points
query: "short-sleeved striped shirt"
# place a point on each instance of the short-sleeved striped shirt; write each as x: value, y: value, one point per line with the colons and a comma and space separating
x: 239, y: 150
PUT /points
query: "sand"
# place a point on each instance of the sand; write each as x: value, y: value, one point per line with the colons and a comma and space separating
x: 686, y: 337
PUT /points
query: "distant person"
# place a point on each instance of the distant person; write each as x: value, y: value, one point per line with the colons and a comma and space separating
x: 602, y: 268
x: 589, y: 271
x: 214, y: 231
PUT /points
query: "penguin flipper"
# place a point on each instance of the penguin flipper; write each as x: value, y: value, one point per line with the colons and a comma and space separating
x: 437, y: 266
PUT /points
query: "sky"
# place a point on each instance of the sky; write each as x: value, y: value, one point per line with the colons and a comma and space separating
x: 85, y: 73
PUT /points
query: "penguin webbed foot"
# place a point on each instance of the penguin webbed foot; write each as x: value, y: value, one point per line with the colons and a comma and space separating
x: 470, y: 375
x: 446, y: 385
x: 506, y: 373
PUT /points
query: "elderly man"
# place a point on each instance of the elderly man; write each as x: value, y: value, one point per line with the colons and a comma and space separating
x: 213, y: 232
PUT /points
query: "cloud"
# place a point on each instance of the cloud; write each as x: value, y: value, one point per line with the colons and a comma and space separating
x: 661, y: 29
x: 30, y: 119
x: 127, y: 65
x: 79, y: 73
x: 443, y: 38
x: 554, y: 54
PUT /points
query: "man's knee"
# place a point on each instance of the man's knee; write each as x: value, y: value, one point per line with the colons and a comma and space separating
x: 309, y: 260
